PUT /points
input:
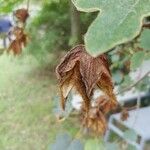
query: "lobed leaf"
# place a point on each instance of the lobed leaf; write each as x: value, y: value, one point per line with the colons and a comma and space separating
x: 118, y: 21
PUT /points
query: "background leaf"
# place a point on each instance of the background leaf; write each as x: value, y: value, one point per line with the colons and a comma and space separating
x: 137, y: 60
x: 145, y: 39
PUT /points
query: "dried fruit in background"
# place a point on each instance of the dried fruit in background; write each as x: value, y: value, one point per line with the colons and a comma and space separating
x: 22, y: 14
x: 19, y: 42
x: 20, y: 35
x: 15, y: 47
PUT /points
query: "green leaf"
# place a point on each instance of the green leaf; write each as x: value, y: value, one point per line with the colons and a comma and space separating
x: 119, y: 21
x: 94, y: 144
x: 145, y: 39
x: 130, y: 135
x: 137, y: 60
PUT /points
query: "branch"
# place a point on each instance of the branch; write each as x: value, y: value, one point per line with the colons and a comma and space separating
x: 133, y: 85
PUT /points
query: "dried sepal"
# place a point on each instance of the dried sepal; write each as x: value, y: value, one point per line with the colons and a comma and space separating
x: 65, y: 88
x: 106, y: 85
x: 73, y: 79
x: 22, y: 14
x: 68, y: 73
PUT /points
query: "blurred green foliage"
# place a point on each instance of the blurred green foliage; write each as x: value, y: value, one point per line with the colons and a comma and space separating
x: 50, y: 30
x: 7, y: 5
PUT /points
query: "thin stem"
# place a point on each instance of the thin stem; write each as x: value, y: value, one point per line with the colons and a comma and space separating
x: 138, y: 104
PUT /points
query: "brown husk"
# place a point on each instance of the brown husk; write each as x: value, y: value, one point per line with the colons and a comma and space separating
x: 83, y: 72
